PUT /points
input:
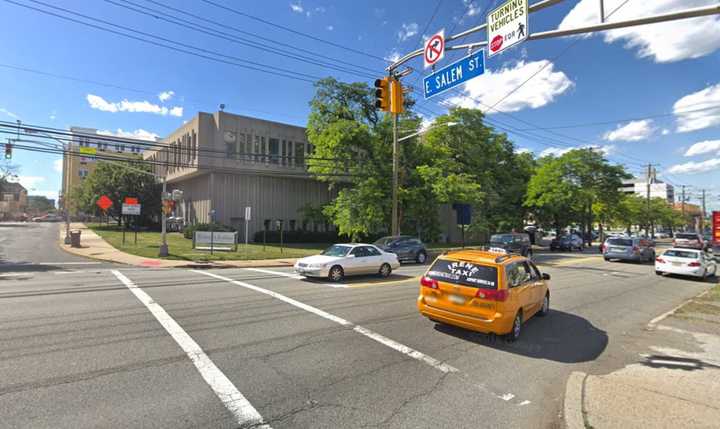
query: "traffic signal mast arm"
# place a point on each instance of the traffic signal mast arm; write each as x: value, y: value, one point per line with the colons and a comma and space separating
x: 602, y: 26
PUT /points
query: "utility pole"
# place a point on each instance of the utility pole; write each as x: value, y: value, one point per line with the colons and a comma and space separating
x: 649, y: 173
x: 395, y: 227
x: 683, y: 204
x: 702, y: 219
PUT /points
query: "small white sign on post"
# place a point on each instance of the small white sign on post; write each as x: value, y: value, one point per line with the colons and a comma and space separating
x: 248, y: 217
x: 507, y: 25
x: 434, y: 48
x: 248, y: 213
x: 131, y: 209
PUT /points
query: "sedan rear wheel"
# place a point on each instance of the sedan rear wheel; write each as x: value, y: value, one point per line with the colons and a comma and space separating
x: 385, y: 270
x: 336, y: 273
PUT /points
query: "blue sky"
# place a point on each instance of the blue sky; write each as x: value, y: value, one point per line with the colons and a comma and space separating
x: 593, y: 87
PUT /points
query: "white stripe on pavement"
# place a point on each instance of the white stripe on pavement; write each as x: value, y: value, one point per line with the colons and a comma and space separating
x: 276, y: 273
x: 408, y: 351
x: 66, y: 263
x: 245, y: 414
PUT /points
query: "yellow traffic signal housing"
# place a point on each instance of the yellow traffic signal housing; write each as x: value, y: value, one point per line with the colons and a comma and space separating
x: 382, y: 94
x: 396, y: 96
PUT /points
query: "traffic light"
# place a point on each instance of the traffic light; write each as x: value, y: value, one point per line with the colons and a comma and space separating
x: 8, y: 150
x: 382, y: 94
x: 396, y: 96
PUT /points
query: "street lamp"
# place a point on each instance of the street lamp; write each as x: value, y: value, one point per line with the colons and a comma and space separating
x: 395, y: 224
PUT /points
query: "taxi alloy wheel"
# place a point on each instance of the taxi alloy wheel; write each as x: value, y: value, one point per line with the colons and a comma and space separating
x: 336, y: 273
x: 545, y: 309
x: 516, y: 328
x: 385, y: 270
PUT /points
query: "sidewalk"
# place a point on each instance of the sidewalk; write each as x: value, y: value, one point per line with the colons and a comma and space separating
x: 93, y: 246
x: 677, y: 384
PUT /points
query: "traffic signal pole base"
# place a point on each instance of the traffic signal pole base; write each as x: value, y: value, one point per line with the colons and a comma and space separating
x: 163, y: 250
x: 67, y: 239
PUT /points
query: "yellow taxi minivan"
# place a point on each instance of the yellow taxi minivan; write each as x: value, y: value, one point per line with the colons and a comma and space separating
x: 486, y: 291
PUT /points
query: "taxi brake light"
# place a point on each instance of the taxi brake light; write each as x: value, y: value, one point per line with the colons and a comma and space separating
x: 694, y: 264
x: 659, y: 259
x: 500, y: 295
x: 428, y: 282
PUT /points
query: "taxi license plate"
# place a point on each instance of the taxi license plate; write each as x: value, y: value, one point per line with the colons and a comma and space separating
x: 677, y: 264
x: 457, y: 299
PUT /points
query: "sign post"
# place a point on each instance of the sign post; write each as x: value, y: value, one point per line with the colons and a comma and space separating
x: 248, y: 214
x: 454, y: 74
x: 434, y: 48
x: 507, y: 25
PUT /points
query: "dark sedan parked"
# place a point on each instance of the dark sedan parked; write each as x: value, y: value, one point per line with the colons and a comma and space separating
x: 512, y: 243
x: 405, y: 247
x: 567, y: 242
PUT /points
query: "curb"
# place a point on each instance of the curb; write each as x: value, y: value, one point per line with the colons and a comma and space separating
x: 573, y: 417
x: 653, y: 323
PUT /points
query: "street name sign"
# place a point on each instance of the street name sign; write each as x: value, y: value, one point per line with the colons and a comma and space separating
x: 131, y: 209
x: 454, y: 74
x: 434, y: 49
x: 507, y: 25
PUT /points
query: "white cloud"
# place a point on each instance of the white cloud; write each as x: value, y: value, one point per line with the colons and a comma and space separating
x: 330, y: 28
x: 407, y: 31
x: 320, y: 9
x: 29, y: 182
x: 664, y: 42
x: 701, y: 148
x: 631, y: 132
x: 53, y: 115
x: 695, y: 167
x: 99, y: 103
x: 297, y: 7
x: 489, y: 88
x: 521, y: 150
x: 665, y: 131
x: 58, y: 165
x: 393, y: 56
x: 698, y: 110
x: 472, y: 8
x: 9, y: 113
x: 166, y: 95
x: 137, y: 134
x: 560, y: 151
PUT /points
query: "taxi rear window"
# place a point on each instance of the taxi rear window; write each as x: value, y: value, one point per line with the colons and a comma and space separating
x: 464, y: 273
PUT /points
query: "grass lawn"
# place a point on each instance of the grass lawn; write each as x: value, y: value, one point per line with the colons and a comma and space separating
x: 180, y: 248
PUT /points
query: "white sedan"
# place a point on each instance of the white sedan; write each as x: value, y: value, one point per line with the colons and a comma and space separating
x: 340, y: 260
x: 686, y: 262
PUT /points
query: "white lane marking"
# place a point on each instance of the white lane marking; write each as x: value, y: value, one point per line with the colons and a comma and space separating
x: 294, y: 276
x: 654, y: 322
x: 507, y: 396
x: 245, y: 414
x: 277, y: 273
x: 408, y: 351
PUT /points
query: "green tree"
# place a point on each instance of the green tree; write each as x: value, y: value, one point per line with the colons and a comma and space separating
x: 39, y: 203
x: 117, y: 182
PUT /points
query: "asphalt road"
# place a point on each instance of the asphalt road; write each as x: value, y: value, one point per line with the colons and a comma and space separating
x: 32, y: 247
x: 219, y: 348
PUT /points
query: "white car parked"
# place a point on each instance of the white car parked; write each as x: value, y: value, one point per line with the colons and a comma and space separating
x: 686, y: 262
x: 340, y: 260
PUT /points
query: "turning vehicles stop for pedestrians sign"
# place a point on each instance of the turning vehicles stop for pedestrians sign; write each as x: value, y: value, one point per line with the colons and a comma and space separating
x: 434, y: 49
x: 507, y: 25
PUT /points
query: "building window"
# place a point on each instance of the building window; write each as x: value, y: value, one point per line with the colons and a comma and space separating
x: 230, y: 150
x: 299, y: 154
x: 264, y: 149
x: 256, y: 149
x: 283, y: 153
x: 241, y: 148
x: 274, y: 151
x: 82, y: 173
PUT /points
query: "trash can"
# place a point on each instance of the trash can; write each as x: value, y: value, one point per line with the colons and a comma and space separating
x: 75, y: 238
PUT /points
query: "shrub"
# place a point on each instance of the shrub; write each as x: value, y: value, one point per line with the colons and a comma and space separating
x: 299, y: 236
x: 189, y: 230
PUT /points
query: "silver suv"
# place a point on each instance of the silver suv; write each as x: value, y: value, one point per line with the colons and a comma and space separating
x: 629, y: 249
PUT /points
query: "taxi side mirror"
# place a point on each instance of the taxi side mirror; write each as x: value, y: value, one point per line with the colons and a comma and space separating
x: 545, y: 276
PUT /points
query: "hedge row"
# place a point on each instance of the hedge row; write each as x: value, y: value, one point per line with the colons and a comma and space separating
x: 298, y: 236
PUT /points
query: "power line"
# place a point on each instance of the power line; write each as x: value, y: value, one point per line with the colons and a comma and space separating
x: 185, y: 24
x: 294, y: 75
x: 282, y: 27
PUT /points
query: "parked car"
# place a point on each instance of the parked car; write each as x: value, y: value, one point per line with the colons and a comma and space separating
x: 484, y: 291
x: 512, y: 242
x: 50, y: 217
x: 567, y: 242
x: 340, y: 260
x: 686, y: 262
x: 405, y: 247
x: 662, y: 234
x: 689, y: 240
x: 629, y: 249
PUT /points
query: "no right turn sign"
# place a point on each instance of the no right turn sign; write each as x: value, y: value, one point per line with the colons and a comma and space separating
x: 507, y: 25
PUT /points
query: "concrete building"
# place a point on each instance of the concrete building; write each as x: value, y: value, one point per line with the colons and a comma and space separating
x: 225, y: 162
x: 658, y: 189
x: 13, y: 200
x: 77, y: 168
